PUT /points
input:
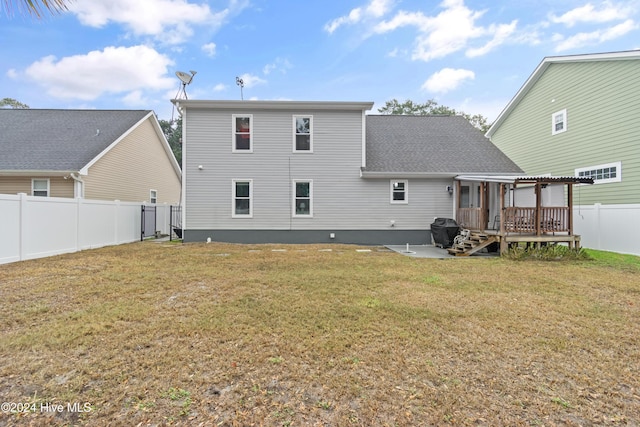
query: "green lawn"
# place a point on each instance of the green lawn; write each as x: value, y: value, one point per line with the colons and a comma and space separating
x: 215, y: 334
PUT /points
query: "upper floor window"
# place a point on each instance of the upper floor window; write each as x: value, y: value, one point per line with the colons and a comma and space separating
x: 559, y: 122
x: 153, y: 196
x: 303, y: 198
x: 242, y: 133
x: 400, y: 191
x: 40, y: 187
x: 302, y: 138
x: 610, y: 172
x: 242, y: 198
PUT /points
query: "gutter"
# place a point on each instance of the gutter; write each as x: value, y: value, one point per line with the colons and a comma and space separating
x: 79, y: 180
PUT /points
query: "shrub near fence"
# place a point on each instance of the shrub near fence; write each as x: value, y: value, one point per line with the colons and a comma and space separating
x: 35, y: 227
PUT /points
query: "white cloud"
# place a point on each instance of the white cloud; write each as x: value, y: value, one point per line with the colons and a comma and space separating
x: 374, y: 9
x: 220, y: 87
x: 280, y: 64
x: 447, y: 79
x: 452, y: 30
x: 112, y: 70
x: 209, y: 49
x: 170, y: 21
x: 594, y: 37
x: 251, y: 80
x: 589, y: 13
x: 501, y: 33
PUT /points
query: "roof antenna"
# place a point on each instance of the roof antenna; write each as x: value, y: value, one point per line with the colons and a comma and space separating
x: 185, y: 79
x: 240, y: 83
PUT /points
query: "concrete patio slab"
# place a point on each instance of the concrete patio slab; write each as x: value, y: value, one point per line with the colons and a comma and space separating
x: 421, y: 251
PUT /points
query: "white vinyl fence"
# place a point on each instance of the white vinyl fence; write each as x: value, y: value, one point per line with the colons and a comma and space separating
x: 614, y: 228
x: 35, y: 227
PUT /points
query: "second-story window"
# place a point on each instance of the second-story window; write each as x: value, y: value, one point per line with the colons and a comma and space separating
x: 242, y: 133
x: 303, y: 138
x: 559, y: 122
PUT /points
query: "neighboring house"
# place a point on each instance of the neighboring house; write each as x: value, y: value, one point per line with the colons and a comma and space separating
x: 302, y: 172
x: 579, y: 116
x: 94, y: 154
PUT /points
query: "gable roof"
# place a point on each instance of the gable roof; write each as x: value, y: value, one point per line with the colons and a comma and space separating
x: 542, y: 67
x: 33, y: 140
x: 398, y: 145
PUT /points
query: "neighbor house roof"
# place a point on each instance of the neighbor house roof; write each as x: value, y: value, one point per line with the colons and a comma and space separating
x: 429, y: 146
x: 542, y: 67
x: 33, y: 140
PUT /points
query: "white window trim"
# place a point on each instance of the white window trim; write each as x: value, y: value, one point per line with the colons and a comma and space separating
x: 151, y: 197
x: 564, y: 122
x: 406, y: 192
x: 33, y: 190
x: 233, y: 133
x: 233, y: 199
x: 310, y: 117
x: 617, y: 165
x: 293, y: 201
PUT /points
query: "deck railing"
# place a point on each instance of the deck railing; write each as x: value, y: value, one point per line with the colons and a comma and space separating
x: 523, y: 220
x: 553, y: 219
x: 470, y: 218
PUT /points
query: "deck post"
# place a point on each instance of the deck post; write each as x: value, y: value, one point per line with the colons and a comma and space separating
x: 503, y: 243
x: 570, y: 204
x: 538, y: 215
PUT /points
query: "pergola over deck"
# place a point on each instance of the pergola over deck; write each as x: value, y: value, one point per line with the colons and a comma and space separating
x: 530, y: 224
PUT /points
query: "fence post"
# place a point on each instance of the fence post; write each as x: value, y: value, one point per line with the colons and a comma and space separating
x: 22, y: 237
x: 78, y: 222
x: 596, y: 209
x: 116, y: 227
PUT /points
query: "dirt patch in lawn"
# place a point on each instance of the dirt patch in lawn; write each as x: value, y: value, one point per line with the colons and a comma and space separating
x: 217, y: 334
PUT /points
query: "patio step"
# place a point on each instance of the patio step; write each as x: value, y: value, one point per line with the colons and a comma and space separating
x: 472, y: 244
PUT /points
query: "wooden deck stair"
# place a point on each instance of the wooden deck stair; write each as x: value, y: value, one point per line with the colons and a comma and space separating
x: 472, y: 244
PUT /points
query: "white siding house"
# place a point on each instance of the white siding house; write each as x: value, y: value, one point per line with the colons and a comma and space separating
x: 291, y: 171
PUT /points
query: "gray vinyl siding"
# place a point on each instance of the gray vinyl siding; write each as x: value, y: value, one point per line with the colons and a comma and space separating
x: 341, y: 198
x: 601, y: 99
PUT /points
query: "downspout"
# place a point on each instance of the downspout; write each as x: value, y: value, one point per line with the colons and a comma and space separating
x: 80, y: 185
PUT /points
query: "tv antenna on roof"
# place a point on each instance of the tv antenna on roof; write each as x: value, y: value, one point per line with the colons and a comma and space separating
x: 240, y: 83
x: 185, y: 79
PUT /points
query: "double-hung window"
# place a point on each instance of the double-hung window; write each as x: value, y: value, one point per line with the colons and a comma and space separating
x: 242, y: 133
x: 153, y: 196
x: 242, y: 196
x: 302, y: 198
x: 40, y: 187
x: 559, y: 122
x: 399, y: 191
x: 303, y: 134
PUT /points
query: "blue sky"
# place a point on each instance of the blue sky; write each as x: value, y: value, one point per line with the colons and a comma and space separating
x: 471, y: 55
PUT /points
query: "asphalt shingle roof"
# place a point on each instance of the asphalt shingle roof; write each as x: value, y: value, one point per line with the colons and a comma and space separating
x: 431, y: 144
x: 59, y: 140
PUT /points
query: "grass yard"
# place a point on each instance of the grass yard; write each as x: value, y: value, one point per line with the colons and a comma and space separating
x: 236, y: 335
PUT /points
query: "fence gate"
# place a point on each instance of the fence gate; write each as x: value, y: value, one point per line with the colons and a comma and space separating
x: 175, y: 222
x: 148, y: 223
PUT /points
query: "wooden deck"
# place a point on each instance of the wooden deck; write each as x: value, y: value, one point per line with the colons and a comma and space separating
x: 520, y: 225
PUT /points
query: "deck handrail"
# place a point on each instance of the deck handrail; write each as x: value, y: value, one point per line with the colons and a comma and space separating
x: 523, y: 220
x: 553, y: 219
x: 470, y: 218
